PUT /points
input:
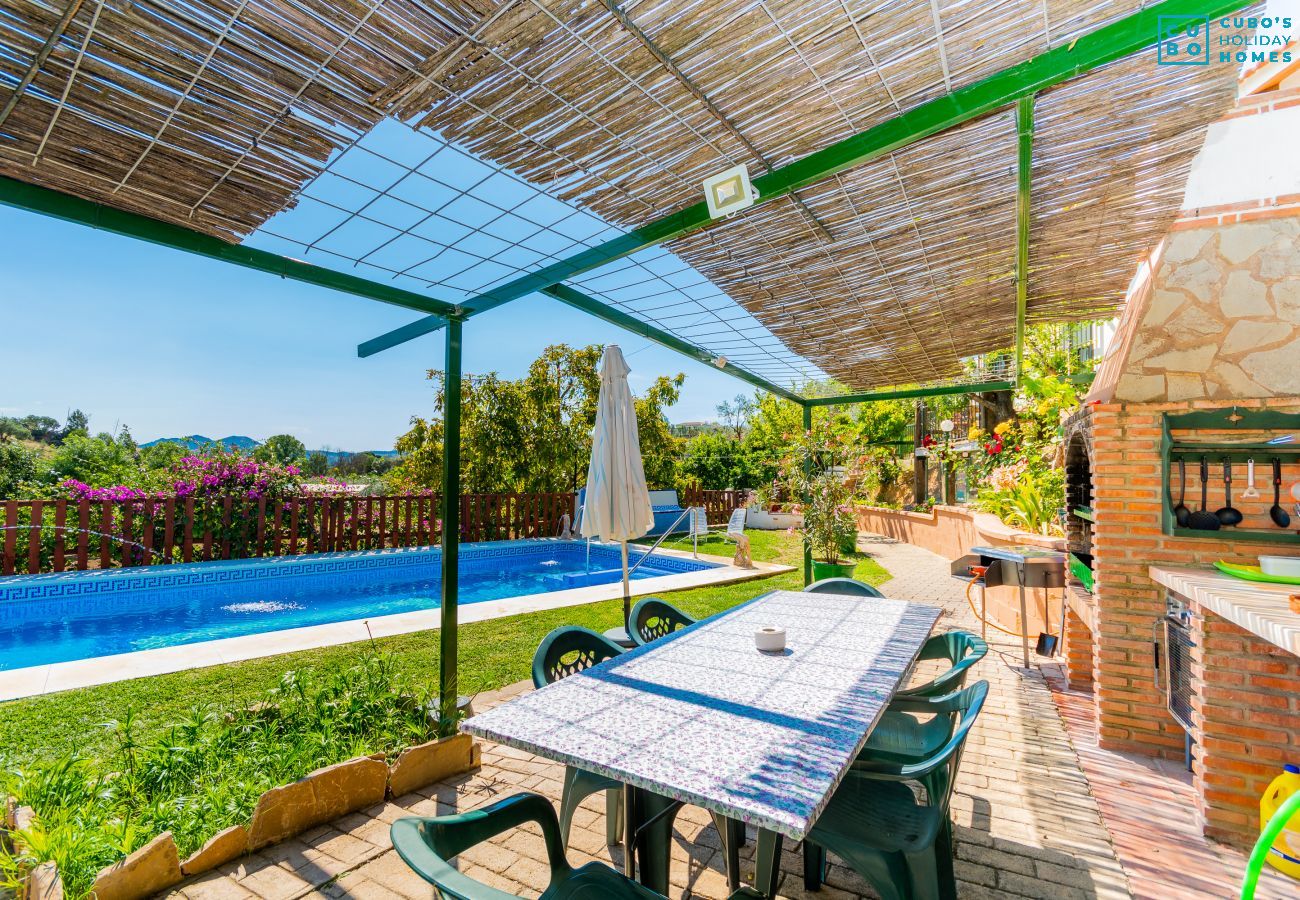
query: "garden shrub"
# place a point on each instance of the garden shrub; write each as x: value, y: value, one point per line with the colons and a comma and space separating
x: 206, y: 773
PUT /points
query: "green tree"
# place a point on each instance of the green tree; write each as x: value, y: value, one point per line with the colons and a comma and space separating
x: 659, y: 449
x: 363, y: 464
x: 78, y: 423
x: 12, y: 429
x: 42, y: 428
x: 164, y: 455
x: 98, y: 461
x: 713, y: 461
x: 735, y: 415
x: 533, y: 434
x: 316, y: 464
x: 282, y: 449
x: 17, y: 467
x: 561, y: 392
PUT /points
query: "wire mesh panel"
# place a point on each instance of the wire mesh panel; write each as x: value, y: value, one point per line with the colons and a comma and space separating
x: 406, y: 204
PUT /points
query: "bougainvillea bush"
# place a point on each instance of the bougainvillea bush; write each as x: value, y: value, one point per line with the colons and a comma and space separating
x: 219, y: 475
x: 215, y: 498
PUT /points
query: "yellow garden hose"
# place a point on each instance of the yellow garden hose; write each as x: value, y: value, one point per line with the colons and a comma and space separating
x: 979, y: 615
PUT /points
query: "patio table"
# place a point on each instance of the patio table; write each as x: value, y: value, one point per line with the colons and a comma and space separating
x: 702, y: 717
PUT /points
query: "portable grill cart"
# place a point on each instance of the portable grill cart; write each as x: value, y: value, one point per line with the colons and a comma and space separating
x: 1027, y: 567
x: 982, y: 572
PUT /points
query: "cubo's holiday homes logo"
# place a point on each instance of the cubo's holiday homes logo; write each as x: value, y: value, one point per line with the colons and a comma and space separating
x: 1184, y: 41
x: 1196, y: 40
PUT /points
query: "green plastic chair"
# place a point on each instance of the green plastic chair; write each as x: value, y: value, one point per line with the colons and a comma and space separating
x: 876, y: 825
x: 962, y: 649
x: 427, y: 845
x: 564, y: 652
x: 901, y: 738
x: 653, y: 618
x: 850, y: 587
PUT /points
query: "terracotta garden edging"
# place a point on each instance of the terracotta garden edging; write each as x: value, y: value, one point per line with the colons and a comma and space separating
x: 281, y: 813
x: 316, y: 799
x: 416, y: 767
x: 154, y: 867
x: 223, y: 847
x: 43, y: 883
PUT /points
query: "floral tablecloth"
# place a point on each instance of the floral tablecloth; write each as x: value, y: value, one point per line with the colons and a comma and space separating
x: 702, y: 716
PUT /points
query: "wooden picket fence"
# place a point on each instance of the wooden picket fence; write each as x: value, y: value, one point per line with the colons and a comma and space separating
x: 67, y: 535
x: 64, y: 535
x: 718, y: 504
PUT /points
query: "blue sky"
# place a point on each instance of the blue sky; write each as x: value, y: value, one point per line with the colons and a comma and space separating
x: 170, y: 343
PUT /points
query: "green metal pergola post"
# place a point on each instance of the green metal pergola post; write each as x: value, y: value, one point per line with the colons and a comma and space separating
x: 807, y: 550
x: 1024, y: 166
x: 448, y: 689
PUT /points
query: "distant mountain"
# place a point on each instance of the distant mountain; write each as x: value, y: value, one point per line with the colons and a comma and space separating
x: 199, y: 442
x: 333, y: 456
x: 246, y: 444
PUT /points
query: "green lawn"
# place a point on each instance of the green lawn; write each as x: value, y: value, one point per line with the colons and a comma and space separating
x: 492, y: 654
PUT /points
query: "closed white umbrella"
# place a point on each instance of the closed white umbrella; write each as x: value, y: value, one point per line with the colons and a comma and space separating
x: 617, y: 504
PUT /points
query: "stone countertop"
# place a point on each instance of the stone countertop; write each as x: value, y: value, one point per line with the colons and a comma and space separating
x: 1258, y: 607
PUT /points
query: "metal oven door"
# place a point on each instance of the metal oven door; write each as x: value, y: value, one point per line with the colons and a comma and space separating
x: 1178, y: 667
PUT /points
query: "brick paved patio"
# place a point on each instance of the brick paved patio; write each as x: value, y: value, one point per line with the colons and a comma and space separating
x: 1028, y: 824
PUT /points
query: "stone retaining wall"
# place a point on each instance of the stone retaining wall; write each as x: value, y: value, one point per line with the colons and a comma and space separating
x: 950, y: 531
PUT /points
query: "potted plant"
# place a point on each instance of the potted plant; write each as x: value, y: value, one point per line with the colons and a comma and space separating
x: 828, y: 526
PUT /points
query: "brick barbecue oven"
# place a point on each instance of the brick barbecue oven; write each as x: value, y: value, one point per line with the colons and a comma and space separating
x: 1205, y: 365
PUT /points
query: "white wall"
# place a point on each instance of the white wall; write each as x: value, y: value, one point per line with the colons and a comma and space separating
x: 1248, y: 158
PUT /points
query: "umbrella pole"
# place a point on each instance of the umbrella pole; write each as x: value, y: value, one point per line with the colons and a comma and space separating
x: 627, y: 590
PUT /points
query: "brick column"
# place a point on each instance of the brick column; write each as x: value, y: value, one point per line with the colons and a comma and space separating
x: 1246, y: 701
x: 1127, y: 488
x: 1078, y: 653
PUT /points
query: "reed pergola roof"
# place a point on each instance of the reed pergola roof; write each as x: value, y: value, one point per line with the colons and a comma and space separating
x: 216, y: 115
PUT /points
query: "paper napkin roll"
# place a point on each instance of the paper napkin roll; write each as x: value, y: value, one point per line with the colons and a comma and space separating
x: 769, y: 639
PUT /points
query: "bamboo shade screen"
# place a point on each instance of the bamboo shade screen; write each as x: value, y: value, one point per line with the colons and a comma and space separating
x: 217, y: 114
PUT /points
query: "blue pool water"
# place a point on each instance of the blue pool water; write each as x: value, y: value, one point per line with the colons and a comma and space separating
x: 81, y: 615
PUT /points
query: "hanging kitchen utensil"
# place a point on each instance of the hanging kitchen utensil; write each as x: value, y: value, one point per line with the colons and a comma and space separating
x: 1228, y: 515
x: 1250, y: 493
x: 1203, y: 519
x: 1281, y: 518
x: 1181, y: 512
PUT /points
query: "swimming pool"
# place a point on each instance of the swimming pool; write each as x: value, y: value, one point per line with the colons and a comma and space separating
x: 82, y: 615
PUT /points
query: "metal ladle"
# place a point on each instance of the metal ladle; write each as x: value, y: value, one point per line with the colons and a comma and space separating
x: 1281, y: 518
x: 1229, y: 515
x: 1181, y: 512
x: 1203, y: 519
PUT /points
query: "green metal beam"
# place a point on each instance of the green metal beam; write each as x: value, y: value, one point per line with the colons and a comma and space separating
x: 30, y: 197
x: 1024, y: 180
x: 448, y: 685
x: 579, y: 300
x: 807, y: 547
x: 1107, y: 44
x: 908, y: 393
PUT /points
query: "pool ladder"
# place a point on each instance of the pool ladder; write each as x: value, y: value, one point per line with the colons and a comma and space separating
x: 655, y: 546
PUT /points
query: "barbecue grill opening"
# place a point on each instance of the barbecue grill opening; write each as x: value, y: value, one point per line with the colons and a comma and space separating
x: 1172, y: 663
